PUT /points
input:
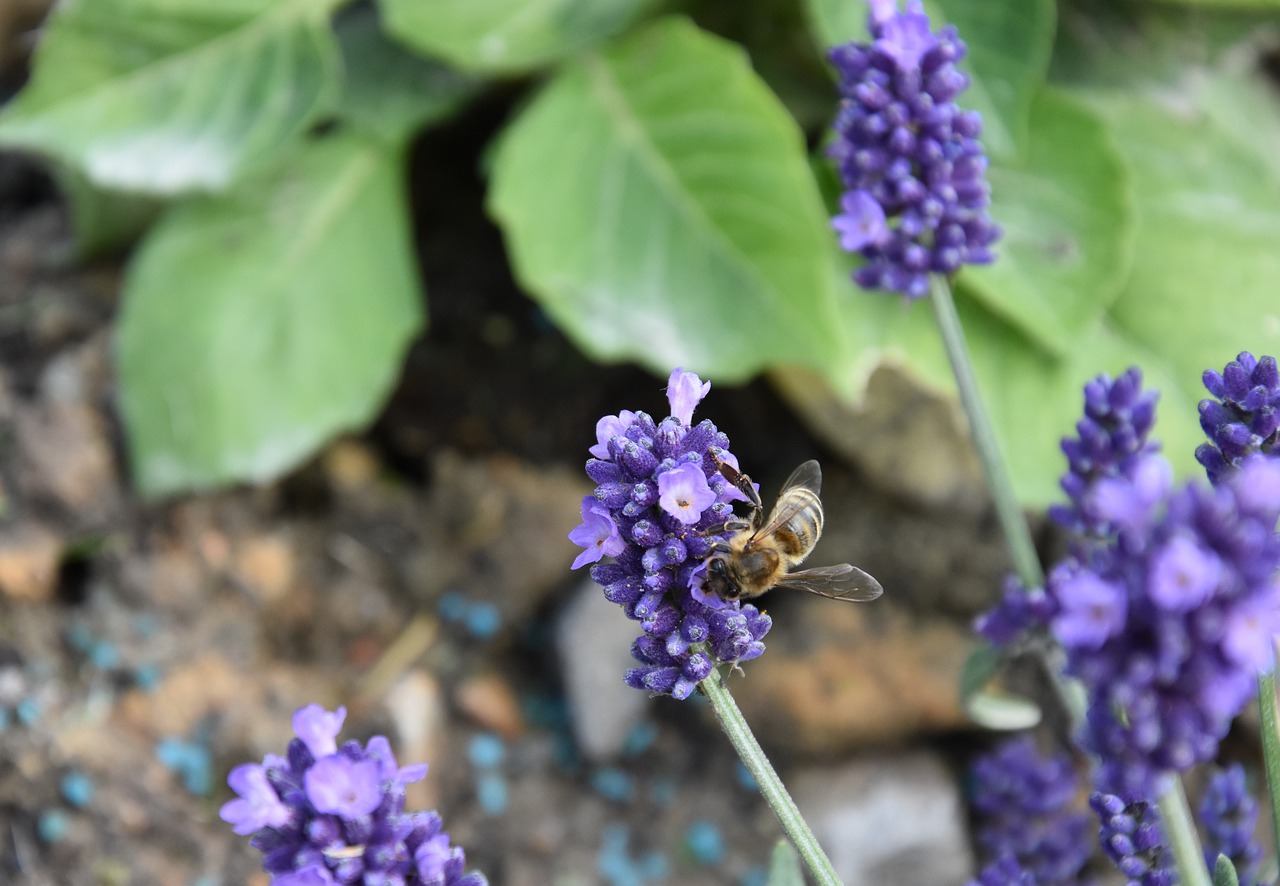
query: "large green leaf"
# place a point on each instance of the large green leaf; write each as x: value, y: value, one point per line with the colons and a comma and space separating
x: 387, y: 90
x: 1068, y: 227
x: 657, y: 200
x: 505, y: 36
x: 1009, y: 46
x: 163, y: 97
x: 257, y: 324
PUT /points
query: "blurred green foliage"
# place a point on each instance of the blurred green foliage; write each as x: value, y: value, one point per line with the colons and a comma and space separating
x: 659, y: 197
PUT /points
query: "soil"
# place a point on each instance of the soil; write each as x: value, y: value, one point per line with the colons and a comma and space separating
x: 412, y: 573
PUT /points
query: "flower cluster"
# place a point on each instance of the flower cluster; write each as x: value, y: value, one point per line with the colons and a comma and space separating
x: 1245, y: 416
x: 658, y: 500
x: 1229, y: 815
x: 1167, y: 604
x: 325, y: 815
x: 911, y: 161
x: 1004, y: 871
x: 1169, y: 625
x: 1110, y: 454
x: 1133, y: 837
x: 1024, y: 806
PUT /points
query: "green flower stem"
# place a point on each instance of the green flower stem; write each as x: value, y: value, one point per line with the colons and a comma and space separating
x: 1270, y: 745
x: 753, y: 757
x: 1181, y: 833
x: 1008, y: 510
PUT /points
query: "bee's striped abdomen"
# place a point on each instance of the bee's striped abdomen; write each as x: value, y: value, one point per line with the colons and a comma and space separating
x: 800, y: 533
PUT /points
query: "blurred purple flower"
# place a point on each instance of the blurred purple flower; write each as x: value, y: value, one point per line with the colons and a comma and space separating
x: 343, y: 819
x: 912, y: 165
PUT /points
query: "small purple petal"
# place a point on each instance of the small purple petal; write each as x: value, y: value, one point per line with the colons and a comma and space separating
x: 906, y: 38
x: 862, y: 223
x: 258, y: 806
x: 597, y: 534
x: 1093, y: 610
x: 684, y: 392
x: 684, y: 494
x: 1183, y: 575
x: 318, y: 728
x: 339, y: 786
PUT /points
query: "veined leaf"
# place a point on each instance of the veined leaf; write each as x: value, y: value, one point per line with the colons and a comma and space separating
x: 258, y: 324
x: 656, y: 199
x: 163, y: 97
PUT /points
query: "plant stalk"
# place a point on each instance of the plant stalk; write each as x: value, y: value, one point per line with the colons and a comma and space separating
x: 753, y: 757
x: 1008, y: 511
x: 1181, y: 833
x: 1270, y: 745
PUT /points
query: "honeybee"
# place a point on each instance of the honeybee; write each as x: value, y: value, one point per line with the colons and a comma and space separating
x: 762, y: 554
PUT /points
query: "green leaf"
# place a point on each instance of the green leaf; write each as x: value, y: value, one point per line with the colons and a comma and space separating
x: 1224, y: 872
x: 148, y: 95
x: 1009, y: 48
x: 387, y: 90
x: 784, y: 866
x: 1068, y: 227
x: 505, y: 36
x: 258, y: 324
x: 657, y: 200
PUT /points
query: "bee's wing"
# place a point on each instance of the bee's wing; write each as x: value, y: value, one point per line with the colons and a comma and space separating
x: 843, y: 582
x: 807, y: 476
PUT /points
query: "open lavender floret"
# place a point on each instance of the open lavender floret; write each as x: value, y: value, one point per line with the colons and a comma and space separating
x: 324, y: 815
x: 659, y: 491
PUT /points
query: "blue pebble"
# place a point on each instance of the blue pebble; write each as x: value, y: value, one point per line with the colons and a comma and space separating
x: 77, y: 788
x: 654, y: 866
x: 705, y: 842
x: 146, y: 677
x: 5, y: 719
x: 190, y: 761
x: 640, y: 738
x: 483, y: 620
x: 28, y: 710
x: 756, y: 876
x: 613, y: 784
x: 491, y: 791
x: 486, y: 750
x: 746, y: 779
x: 52, y: 825
x: 452, y: 606
x: 104, y: 656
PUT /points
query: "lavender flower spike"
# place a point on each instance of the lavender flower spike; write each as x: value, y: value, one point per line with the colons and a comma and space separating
x: 325, y: 815
x: 1229, y: 813
x: 1243, y: 418
x: 913, y: 167
x: 658, y: 487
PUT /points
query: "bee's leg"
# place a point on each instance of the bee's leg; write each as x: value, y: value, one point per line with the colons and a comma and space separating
x: 730, y: 526
x: 747, y: 488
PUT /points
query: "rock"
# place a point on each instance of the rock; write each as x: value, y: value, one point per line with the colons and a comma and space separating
x: 489, y: 700
x: 888, y: 820
x: 594, y: 639
x: 836, y: 677
x: 29, y: 559
x: 266, y: 565
x: 908, y: 440
x: 416, y: 705
x: 350, y: 465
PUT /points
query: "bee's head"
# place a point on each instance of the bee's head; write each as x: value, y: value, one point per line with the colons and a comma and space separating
x: 719, y: 581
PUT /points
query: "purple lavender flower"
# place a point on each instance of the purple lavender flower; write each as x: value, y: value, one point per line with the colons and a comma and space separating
x: 1166, y: 675
x: 1005, y: 871
x: 1133, y: 837
x: 660, y: 489
x: 1112, y: 446
x: 1024, y: 805
x: 325, y: 815
x: 914, y: 171
x: 1244, y: 417
x: 1229, y: 814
